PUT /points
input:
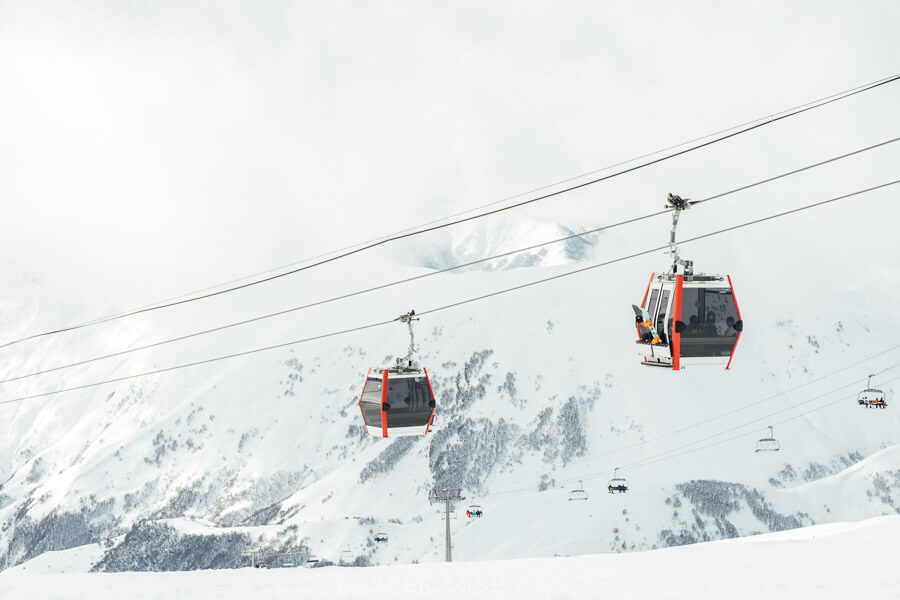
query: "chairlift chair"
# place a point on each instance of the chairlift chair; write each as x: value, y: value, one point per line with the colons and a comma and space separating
x: 617, y: 485
x: 381, y: 538
x: 871, y: 397
x: 769, y: 444
x: 578, y: 494
x: 346, y: 556
x: 474, y: 510
x: 398, y: 401
x: 687, y: 318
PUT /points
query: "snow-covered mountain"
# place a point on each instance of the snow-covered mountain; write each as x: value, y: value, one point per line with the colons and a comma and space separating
x: 537, y: 390
x: 821, y: 561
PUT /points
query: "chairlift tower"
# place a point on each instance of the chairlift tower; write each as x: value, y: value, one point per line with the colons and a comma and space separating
x: 252, y: 553
x: 447, y: 496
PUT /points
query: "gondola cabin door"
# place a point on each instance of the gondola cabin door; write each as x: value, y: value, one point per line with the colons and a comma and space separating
x: 655, y: 323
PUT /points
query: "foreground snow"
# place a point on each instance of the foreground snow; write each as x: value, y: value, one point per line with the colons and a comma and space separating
x: 840, y: 560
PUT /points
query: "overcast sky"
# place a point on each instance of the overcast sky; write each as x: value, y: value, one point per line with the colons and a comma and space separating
x: 147, y: 149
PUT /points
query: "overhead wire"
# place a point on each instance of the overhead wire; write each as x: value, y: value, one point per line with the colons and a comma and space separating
x: 657, y: 249
x: 393, y: 238
x: 453, y: 304
x: 767, y: 417
x: 506, y: 199
x: 723, y: 432
x: 739, y: 409
x: 446, y: 269
x: 747, y: 434
x: 669, y: 455
x: 687, y: 448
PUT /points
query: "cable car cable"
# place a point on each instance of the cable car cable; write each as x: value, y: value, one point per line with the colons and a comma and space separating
x: 794, y: 172
x: 513, y: 197
x: 458, y: 221
x: 413, y: 228
x: 657, y: 249
x: 441, y: 271
x: 200, y: 362
x: 454, y: 304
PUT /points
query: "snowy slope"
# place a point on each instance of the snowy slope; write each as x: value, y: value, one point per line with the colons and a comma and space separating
x: 536, y: 391
x: 825, y: 561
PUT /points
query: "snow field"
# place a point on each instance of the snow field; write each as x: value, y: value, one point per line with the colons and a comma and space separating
x: 837, y: 560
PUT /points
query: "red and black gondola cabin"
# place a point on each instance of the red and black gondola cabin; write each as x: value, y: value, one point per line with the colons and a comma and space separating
x: 397, y: 402
x: 695, y: 319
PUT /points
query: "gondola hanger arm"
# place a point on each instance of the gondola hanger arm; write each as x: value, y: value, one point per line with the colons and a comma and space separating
x: 408, y: 361
x: 676, y: 204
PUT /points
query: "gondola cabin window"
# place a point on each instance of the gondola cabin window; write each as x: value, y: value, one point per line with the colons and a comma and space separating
x: 408, y: 398
x: 371, y: 402
x: 661, y: 316
x: 709, y: 315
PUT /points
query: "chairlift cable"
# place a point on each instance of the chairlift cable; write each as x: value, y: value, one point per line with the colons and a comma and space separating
x: 739, y: 409
x: 667, y: 454
x: 748, y: 434
x: 840, y: 400
x: 754, y: 422
x: 686, y: 448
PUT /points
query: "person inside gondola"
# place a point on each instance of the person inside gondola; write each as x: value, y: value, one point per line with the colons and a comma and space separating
x: 710, y: 328
x: 729, y: 327
x: 694, y: 325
